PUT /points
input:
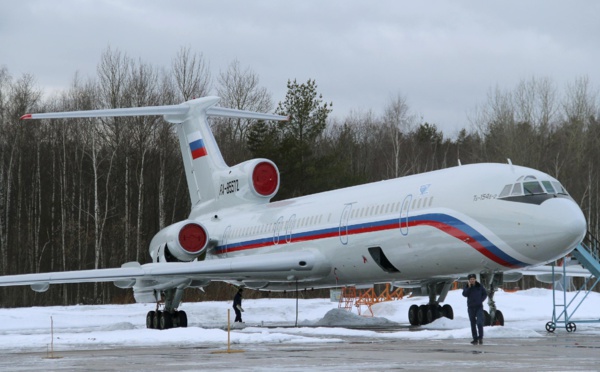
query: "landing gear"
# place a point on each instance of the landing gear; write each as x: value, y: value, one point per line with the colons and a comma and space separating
x: 447, y: 311
x: 150, y: 320
x: 169, y: 317
x: 497, y: 321
x: 162, y: 319
x: 413, y: 315
x: 425, y: 314
x: 491, y: 282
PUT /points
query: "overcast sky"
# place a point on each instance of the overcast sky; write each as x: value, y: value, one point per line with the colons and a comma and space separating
x: 442, y: 56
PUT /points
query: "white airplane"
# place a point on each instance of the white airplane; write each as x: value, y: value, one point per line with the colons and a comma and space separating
x: 426, y: 230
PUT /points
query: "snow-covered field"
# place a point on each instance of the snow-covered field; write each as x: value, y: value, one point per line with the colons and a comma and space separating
x: 269, y: 321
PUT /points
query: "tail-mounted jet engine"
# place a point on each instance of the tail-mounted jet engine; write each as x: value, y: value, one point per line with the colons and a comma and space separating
x: 255, y: 180
x: 182, y: 241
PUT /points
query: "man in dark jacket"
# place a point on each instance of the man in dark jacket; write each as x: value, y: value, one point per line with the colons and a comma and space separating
x: 237, y: 305
x: 475, y: 294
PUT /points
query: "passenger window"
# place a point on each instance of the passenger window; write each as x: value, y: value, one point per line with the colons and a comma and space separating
x: 517, y: 190
x: 532, y: 188
x: 505, y: 191
x: 548, y: 187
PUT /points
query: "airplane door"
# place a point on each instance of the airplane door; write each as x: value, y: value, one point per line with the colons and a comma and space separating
x: 404, y: 214
x: 344, y: 224
x: 289, y: 228
x: 277, y: 230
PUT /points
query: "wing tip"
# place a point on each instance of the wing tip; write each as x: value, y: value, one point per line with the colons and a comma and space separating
x: 26, y: 117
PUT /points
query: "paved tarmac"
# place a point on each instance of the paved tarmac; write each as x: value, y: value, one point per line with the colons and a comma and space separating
x: 560, y: 351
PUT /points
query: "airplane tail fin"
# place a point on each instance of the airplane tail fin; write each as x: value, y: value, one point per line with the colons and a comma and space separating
x: 209, y: 179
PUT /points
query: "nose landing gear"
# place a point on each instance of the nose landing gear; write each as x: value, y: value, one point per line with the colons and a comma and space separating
x: 491, y: 282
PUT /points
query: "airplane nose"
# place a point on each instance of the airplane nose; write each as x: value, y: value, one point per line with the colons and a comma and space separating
x: 568, y: 222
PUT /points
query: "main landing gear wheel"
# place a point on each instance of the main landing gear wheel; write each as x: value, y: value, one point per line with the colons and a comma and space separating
x: 179, y: 319
x: 431, y: 314
x: 425, y: 314
x: 421, y: 314
x: 571, y: 327
x: 164, y: 320
x: 150, y: 324
x: 550, y: 327
x: 448, y: 312
x: 413, y: 315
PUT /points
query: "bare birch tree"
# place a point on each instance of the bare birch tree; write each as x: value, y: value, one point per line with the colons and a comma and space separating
x: 191, y: 73
x: 240, y: 89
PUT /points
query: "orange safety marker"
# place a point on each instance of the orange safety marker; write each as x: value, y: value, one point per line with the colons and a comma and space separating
x: 350, y: 297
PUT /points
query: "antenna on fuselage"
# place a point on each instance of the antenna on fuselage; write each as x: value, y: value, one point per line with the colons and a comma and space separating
x: 510, y: 163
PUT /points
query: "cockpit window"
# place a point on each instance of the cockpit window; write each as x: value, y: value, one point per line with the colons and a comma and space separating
x: 530, y: 185
x: 559, y: 188
x: 517, y: 190
x: 532, y: 188
x: 505, y: 191
x: 548, y: 187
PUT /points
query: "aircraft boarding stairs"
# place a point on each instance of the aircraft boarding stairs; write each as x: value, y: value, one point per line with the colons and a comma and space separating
x: 587, y: 254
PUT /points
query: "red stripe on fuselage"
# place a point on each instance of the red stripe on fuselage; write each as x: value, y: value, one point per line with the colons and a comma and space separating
x: 448, y: 229
x: 459, y: 234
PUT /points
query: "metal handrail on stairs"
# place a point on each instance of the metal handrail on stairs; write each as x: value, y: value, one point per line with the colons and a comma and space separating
x: 587, y: 254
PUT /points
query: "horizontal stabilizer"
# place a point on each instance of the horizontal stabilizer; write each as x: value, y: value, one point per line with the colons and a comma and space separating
x: 174, y: 113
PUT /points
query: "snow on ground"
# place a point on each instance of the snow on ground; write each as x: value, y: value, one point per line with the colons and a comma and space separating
x: 270, y: 321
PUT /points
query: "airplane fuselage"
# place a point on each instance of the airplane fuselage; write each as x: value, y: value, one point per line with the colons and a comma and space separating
x: 438, y: 224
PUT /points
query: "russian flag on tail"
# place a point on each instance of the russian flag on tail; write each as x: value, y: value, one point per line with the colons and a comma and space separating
x: 196, y: 145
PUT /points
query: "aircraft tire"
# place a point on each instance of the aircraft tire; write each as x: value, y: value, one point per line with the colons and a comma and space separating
x: 431, y: 314
x: 448, y: 311
x: 498, y: 319
x: 413, y: 315
x: 422, y: 314
x: 487, y: 319
x: 150, y: 324
x: 166, y: 320
x: 157, y: 316
x: 182, y: 320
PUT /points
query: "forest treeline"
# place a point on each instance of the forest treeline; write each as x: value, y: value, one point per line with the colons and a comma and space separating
x: 91, y: 193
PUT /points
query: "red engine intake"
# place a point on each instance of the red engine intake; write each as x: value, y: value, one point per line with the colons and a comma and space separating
x: 182, y: 241
x: 192, y: 238
x: 265, y: 179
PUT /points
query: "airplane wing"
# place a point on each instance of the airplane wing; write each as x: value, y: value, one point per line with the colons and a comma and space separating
x: 300, y: 265
x: 569, y: 270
